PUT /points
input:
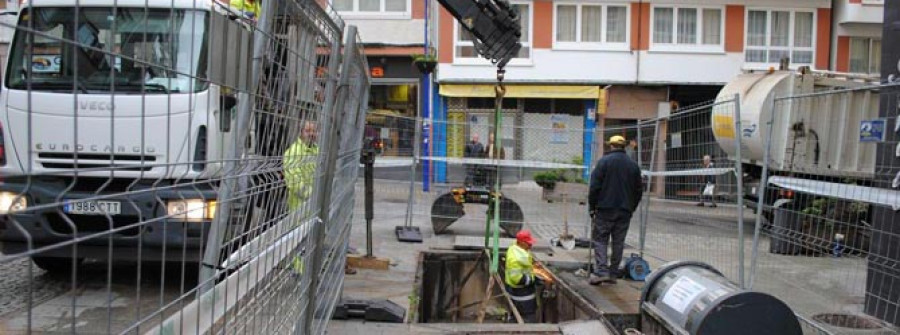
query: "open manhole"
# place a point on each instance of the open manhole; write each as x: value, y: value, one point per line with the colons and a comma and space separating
x: 451, y: 286
x: 848, y: 321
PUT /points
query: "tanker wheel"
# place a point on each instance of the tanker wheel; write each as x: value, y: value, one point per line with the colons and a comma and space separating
x: 511, y: 217
x: 444, y: 212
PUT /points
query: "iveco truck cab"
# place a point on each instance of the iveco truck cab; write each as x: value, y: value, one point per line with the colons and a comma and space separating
x: 116, y: 118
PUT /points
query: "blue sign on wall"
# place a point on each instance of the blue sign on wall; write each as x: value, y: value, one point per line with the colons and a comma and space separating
x: 872, y: 130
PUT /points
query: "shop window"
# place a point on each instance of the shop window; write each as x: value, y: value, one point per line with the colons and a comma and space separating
x: 488, y: 103
x: 555, y: 106
x: 538, y: 105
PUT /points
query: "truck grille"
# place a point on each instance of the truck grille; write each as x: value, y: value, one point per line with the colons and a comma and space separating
x: 62, y: 160
x: 93, y: 224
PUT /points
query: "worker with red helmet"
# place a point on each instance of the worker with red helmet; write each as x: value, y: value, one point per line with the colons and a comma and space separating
x: 520, y: 279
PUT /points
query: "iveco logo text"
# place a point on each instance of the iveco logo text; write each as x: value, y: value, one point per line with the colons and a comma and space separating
x: 92, y: 148
x: 96, y: 105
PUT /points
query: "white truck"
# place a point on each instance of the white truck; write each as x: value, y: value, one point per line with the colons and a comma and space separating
x: 134, y: 117
x: 815, y: 136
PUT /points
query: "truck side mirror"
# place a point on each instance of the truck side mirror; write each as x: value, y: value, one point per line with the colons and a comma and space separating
x: 226, y: 106
x: 228, y: 102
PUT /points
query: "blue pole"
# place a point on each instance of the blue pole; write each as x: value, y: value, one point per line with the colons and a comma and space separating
x: 440, y: 135
x: 590, y: 123
x: 426, y: 101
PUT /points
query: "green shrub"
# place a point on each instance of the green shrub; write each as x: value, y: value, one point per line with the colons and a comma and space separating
x: 549, y: 178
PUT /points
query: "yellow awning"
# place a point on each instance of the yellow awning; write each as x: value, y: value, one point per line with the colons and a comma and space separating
x: 522, y: 91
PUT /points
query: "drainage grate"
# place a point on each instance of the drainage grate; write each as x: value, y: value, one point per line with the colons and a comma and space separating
x: 848, y: 321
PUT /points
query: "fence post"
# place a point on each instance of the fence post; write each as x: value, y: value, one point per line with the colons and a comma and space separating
x: 739, y: 172
x: 412, y: 172
x: 761, y: 194
x: 324, y: 186
x: 646, y: 206
x: 641, y: 215
x: 209, y: 266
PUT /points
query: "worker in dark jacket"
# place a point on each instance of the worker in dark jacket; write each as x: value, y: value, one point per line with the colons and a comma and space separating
x: 615, y: 193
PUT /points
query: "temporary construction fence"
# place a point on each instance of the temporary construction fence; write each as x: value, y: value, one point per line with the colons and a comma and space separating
x: 813, y: 227
x: 178, y: 166
x: 693, y: 204
x: 830, y: 248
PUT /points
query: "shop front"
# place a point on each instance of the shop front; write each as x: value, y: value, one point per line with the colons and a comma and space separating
x: 539, y: 123
x: 393, y: 104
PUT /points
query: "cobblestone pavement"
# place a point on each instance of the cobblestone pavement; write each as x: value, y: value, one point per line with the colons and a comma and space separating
x: 15, y: 283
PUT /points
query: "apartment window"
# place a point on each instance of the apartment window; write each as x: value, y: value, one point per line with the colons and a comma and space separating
x: 865, y: 55
x: 465, y: 48
x: 693, y: 27
x: 590, y: 26
x: 372, y: 7
x: 773, y: 35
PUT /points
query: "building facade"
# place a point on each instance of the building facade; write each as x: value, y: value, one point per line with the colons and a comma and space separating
x: 392, y: 32
x: 856, y: 45
x: 650, y: 54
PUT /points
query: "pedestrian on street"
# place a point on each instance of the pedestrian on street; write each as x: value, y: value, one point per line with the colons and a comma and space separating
x: 492, y: 152
x: 632, y: 150
x: 709, y: 189
x: 519, y: 277
x: 473, y: 149
x: 615, y: 192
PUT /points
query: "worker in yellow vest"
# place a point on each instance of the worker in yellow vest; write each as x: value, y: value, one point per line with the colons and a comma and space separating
x: 299, y: 168
x: 520, y: 279
x: 250, y: 8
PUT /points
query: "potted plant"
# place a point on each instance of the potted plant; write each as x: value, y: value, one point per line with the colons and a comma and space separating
x: 563, y: 184
x: 826, y: 219
x: 425, y: 62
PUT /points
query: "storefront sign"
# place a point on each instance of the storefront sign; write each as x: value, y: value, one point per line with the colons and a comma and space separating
x: 559, y: 134
x: 602, y: 102
x: 456, y: 136
x: 377, y: 72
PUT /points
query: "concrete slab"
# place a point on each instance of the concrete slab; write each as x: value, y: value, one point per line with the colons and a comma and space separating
x: 590, y: 327
x: 371, y: 328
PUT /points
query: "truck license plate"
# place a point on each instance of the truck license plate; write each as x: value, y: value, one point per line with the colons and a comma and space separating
x: 93, y: 207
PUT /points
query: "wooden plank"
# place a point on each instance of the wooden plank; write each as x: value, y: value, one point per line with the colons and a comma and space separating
x: 363, y: 262
x: 487, y: 293
x: 509, y: 301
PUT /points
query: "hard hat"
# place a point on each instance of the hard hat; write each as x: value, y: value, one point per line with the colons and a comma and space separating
x: 525, y: 236
x: 616, y: 140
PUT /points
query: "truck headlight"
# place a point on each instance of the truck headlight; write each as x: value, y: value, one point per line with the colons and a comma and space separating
x: 191, y: 209
x: 11, y: 202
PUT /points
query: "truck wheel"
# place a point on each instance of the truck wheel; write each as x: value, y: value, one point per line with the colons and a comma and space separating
x: 56, y: 266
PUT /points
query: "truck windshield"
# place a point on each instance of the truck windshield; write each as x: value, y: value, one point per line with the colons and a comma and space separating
x: 96, y: 50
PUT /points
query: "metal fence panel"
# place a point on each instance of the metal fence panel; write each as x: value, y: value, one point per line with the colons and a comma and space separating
x: 692, y: 208
x: 164, y: 166
x: 827, y: 227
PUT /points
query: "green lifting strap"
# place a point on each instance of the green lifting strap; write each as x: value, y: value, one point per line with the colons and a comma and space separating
x: 495, y: 225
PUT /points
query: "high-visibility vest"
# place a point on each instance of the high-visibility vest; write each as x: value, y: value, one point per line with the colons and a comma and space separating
x: 519, y: 263
x: 246, y: 7
x: 299, y: 167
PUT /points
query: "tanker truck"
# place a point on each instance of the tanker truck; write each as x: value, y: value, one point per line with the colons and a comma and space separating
x: 815, y: 136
